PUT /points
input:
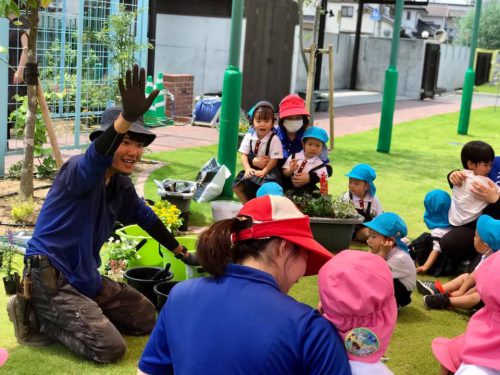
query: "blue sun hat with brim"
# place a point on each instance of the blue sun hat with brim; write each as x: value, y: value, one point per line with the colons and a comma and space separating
x: 390, y: 225
x: 262, y: 103
x: 316, y: 132
x: 270, y: 188
x: 437, y: 203
x: 364, y: 172
x: 488, y: 230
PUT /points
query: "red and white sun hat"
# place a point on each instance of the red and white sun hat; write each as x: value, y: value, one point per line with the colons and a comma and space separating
x: 276, y: 216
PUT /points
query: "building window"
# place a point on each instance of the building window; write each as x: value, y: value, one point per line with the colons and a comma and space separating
x: 347, y: 11
x: 408, y: 15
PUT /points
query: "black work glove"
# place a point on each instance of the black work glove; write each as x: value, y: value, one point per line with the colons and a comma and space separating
x: 187, y: 258
x: 134, y: 102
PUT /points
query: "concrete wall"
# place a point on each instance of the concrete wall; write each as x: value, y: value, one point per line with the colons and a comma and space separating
x: 342, y: 49
x: 194, y: 45
x: 452, y: 66
x: 374, y: 54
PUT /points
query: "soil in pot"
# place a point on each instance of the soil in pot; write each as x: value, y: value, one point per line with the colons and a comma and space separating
x: 140, y: 279
x: 162, y: 290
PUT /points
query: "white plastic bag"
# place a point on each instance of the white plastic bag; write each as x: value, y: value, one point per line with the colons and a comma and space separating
x: 210, y: 181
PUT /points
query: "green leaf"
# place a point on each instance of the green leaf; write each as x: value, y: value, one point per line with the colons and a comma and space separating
x: 3, y: 49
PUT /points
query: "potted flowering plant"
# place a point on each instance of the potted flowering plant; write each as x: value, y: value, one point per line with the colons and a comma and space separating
x: 169, y: 214
x: 332, y: 218
x: 119, y: 254
x: 11, y: 277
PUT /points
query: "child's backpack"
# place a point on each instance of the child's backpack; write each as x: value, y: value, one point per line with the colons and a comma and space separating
x: 421, y: 247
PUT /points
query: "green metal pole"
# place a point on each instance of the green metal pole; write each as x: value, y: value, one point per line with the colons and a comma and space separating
x: 231, y: 101
x: 470, y: 77
x: 390, y: 86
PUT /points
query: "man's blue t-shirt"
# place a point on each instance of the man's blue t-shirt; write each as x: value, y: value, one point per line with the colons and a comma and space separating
x: 495, y: 171
x: 240, y: 323
x: 78, y: 215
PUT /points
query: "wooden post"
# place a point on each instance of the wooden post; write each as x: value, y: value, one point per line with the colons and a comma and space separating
x: 310, y: 76
x: 330, y: 92
x: 48, y: 125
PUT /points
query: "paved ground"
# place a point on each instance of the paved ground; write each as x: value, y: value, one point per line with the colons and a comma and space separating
x: 350, y: 117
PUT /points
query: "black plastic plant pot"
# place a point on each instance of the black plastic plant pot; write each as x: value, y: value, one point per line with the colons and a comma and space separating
x: 162, y: 290
x: 9, y: 283
x: 140, y: 279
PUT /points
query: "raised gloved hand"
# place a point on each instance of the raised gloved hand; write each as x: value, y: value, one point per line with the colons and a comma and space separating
x: 134, y: 102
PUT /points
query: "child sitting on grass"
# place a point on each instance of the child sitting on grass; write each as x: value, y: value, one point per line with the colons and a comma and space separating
x: 477, y: 352
x: 308, y: 160
x: 262, y: 141
x: 362, y: 194
x: 437, y: 203
x: 461, y: 292
x: 357, y: 296
x: 385, y: 239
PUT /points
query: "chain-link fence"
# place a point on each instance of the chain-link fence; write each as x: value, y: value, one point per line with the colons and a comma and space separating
x: 78, y: 64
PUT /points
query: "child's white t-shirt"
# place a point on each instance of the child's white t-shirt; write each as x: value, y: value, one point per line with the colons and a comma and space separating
x: 402, y: 268
x: 375, y: 209
x: 465, y: 206
x: 465, y: 369
x: 437, y: 234
x: 310, y: 164
x: 362, y: 368
x: 250, y: 140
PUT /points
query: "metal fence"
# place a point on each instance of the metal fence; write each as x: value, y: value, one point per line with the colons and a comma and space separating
x: 76, y: 71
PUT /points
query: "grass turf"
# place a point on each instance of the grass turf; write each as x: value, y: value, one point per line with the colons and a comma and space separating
x: 488, y: 89
x: 422, y: 153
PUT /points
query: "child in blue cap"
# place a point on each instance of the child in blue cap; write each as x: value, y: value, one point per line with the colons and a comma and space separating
x: 362, y: 194
x: 461, y: 291
x: 270, y: 188
x: 437, y: 203
x: 308, y: 160
x: 384, y: 239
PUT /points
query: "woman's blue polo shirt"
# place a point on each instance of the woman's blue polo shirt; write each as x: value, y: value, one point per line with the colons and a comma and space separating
x: 240, y: 323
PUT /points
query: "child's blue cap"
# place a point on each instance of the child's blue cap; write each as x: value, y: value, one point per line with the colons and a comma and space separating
x: 366, y: 173
x: 270, y: 188
x: 316, y: 132
x: 390, y: 225
x: 488, y: 230
x: 437, y: 203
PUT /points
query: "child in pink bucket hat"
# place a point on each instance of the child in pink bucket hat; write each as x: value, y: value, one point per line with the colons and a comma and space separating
x: 357, y: 295
x: 477, y: 352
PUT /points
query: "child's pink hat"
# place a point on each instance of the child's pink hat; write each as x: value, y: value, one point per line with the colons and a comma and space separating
x: 357, y: 295
x: 448, y: 352
x: 480, y: 345
x: 482, y: 337
x: 3, y: 356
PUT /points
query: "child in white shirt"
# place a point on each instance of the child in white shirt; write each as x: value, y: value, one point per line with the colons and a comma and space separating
x: 477, y: 159
x: 262, y: 141
x: 385, y: 239
x: 437, y: 204
x: 362, y: 194
x: 308, y: 160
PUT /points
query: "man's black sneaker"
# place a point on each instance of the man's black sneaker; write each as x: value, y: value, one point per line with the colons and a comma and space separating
x: 427, y: 287
x: 437, y: 301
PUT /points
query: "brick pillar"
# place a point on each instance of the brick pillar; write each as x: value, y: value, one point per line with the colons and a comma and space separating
x: 181, y: 85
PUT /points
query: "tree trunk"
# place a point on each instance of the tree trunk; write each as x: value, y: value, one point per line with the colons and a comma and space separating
x: 300, y: 4
x: 26, y: 185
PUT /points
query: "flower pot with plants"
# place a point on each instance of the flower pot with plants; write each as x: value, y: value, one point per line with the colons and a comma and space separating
x: 10, y: 276
x: 120, y: 254
x: 332, y: 219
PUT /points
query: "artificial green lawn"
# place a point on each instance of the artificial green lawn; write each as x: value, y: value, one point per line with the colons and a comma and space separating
x: 488, y: 88
x: 422, y: 153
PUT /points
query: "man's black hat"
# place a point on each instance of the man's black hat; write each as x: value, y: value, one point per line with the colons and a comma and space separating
x: 137, y: 129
